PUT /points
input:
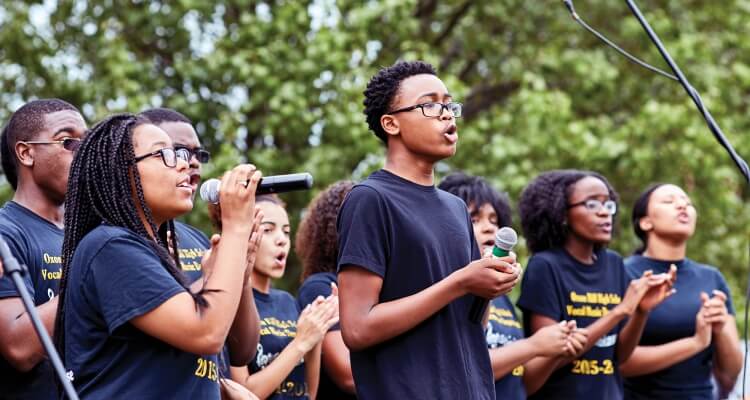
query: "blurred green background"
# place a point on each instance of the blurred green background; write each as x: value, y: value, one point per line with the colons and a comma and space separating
x: 279, y: 83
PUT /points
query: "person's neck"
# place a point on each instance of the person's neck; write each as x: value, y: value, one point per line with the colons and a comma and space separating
x: 664, y: 249
x: 146, y: 225
x: 261, y: 283
x: 34, y: 199
x: 581, y: 250
x: 407, y: 165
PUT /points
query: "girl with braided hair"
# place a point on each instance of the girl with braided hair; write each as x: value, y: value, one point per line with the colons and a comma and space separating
x: 127, y: 325
x: 567, y: 219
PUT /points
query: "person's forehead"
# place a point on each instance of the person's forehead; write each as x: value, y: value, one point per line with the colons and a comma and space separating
x: 273, y: 212
x: 181, y: 133
x: 148, y: 135
x: 590, y: 186
x: 669, y: 191
x: 420, y: 85
x: 65, y: 119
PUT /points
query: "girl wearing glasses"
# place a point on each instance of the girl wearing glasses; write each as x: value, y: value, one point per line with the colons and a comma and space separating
x: 125, y: 311
x: 567, y: 218
x: 693, y: 335
x: 287, y: 362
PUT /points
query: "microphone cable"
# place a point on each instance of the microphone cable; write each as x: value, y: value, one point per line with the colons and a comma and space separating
x: 696, y: 97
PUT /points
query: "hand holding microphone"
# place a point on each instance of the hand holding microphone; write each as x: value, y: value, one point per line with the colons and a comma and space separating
x: 237, y: 192
x: 503, y: 274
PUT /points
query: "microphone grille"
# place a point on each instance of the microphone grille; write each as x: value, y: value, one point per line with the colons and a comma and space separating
x: 210, y: 191
x: 506, y: 238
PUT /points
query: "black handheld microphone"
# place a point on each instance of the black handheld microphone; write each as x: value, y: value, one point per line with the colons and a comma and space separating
x: 505, y: 239
x: 269, y: 184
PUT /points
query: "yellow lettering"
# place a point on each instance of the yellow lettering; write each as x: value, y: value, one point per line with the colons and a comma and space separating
x: 201, y: 370
x: 586, y: 311
x: 207, y: 369
x: 51, y: 275
x: 48, y: 259
x: 595, y: 298
x: 593, y: 367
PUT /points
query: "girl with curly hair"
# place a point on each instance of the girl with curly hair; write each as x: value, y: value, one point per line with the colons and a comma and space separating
x: 567, y: 218
x: 317, y: 247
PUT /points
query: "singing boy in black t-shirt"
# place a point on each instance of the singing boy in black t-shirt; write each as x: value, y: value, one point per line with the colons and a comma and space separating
x: 407, y: 255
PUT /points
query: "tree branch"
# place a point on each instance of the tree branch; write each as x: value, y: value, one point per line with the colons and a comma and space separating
x: 483, y: 97
x: 453, y: 21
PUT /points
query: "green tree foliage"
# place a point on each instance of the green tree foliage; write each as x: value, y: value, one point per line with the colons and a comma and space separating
x: 279, y: 83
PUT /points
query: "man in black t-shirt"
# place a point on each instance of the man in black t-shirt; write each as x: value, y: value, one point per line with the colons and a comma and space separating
x: 408, y: 261
x: 37, y: 149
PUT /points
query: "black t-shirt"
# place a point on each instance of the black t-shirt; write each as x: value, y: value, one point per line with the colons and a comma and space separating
x: 413, y: 236
x: 320, y: 285
x: 672, y: 320
x: 37, y: 243
x: 558, y: 286
x: 192, y: 244
x: 278, y: 326
x: 116, y: 276
x: 503, y: 328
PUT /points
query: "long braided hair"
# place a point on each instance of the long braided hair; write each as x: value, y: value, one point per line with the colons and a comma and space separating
x: 102, y: 178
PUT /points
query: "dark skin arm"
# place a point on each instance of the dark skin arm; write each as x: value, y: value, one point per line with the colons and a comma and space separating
x: 646, y: 292
x: 336, y: 361
x: 539, y: 369
x: 650, y: 359
x: 641, y: 296
x: 365, y: 322
x: 20, y: 344
x: 244, y: 333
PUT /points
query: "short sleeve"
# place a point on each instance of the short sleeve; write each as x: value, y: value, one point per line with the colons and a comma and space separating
x: 362, y: 231
x: 539, y: 294
x: 129, y: 280
x: 722, y: 285
x: 19, y: 251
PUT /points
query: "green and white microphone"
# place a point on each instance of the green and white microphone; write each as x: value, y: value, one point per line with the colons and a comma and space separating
x: 505, y: 239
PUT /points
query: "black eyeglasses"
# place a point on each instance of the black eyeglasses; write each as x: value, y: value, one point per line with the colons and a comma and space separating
x: 69, y: 143
x: 433, y: 109
x: 168, y: 155
x: 203, y: 156
x: 595, y: 205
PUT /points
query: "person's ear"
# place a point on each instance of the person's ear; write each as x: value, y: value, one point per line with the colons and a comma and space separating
x: 390, y: 125
x: 24, y: 154
x: 646, y: 224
